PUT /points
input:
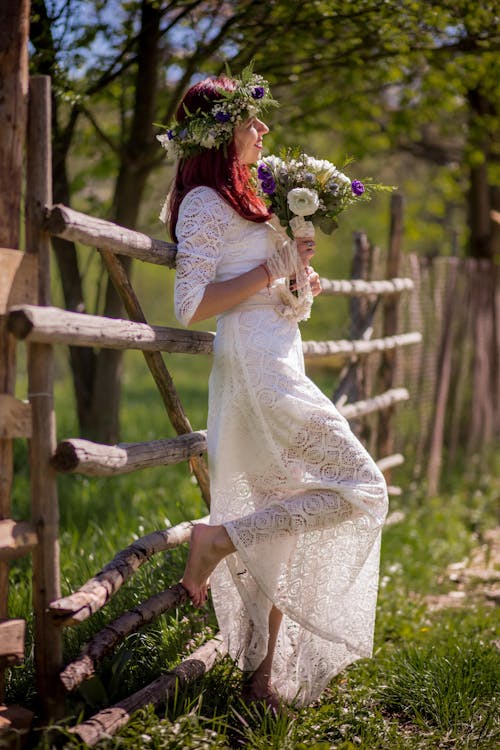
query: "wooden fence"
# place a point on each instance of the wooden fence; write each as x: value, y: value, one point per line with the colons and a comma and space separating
x: 40, y: 326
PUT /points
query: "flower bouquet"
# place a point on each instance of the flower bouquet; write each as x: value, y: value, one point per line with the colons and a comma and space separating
x: 296, y: 186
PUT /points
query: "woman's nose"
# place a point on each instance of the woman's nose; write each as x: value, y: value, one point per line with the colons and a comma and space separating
x: 262, y: 127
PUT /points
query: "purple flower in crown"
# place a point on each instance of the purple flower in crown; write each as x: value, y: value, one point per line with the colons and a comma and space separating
x: 222, y: 117
x: 258, y: 92
x: 170, y: 135
x: 357, y: 187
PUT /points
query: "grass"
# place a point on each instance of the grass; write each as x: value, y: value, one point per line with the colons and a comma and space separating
x: 431, y: 681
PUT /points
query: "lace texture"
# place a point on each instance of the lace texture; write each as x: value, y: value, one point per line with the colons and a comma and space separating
x: 300, y: 497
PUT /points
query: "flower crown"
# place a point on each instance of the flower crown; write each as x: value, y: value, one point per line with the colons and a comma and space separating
x: 214, y: 128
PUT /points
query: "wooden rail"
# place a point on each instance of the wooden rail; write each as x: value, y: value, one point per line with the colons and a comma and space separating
x: 359, y: 347
x: 80, y: 456
x: 16, y: 538
x: 95, y: 593
x: 105, y: 235
x: 51, y: 325
x: 110, y: 720
x: 55, y: 326
x: 129, y: 622
x: 95, y: 460
x: 362, y: 288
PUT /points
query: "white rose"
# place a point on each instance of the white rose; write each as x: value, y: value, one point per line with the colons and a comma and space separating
x: 303, y: 201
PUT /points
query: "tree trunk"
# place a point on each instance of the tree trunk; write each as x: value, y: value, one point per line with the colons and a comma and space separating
x: 14, y: 15
x: 129, y: 189
x: 479, y: 195
x: 82, y: 360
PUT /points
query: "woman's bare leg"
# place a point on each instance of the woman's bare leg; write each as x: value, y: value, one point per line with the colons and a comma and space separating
x: 209, y: 545
x: 260, y: 683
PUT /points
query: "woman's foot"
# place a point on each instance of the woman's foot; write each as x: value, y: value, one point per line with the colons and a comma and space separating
x: 208, y: 546
x: 258, y: 689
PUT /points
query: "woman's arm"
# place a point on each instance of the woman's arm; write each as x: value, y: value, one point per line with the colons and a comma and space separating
x: 220, y: 296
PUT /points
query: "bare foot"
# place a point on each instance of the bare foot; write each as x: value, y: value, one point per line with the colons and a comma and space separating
x: 209, y: 545
x: 259, y: 690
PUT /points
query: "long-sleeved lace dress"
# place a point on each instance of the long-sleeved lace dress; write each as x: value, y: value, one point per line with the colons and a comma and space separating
x: 301, y: 499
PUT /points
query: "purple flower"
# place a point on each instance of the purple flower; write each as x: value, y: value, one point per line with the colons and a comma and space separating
x: 258, y: 92
x: 268, y: 185
x: 222, y: 116
x: 263, y: 172
x: 170, y: 135
x: 357, y: 187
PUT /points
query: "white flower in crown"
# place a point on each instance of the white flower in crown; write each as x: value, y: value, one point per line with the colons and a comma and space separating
x: 214, y: 128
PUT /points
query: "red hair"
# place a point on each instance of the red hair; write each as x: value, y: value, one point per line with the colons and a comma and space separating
x: 218, y: 168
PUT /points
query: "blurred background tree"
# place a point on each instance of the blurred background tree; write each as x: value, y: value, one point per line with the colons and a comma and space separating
x: 411, y: 88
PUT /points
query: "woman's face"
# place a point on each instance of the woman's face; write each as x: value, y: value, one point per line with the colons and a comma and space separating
x: 248, y: 139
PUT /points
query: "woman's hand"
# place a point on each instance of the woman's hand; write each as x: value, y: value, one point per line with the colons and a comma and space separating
x: 314, y: 281
x: 306, y: 247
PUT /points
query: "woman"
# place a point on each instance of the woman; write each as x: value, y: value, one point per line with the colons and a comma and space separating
x: 292, y: 548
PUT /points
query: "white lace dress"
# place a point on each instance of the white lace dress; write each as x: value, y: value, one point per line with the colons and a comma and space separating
x: 300, y: 497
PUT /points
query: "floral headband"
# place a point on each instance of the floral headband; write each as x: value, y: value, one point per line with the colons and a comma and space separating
x: 213, y: 129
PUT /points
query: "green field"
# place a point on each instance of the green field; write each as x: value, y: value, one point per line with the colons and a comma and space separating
x: 433, y: 677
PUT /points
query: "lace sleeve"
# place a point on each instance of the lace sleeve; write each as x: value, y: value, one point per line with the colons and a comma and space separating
x: 200, y: 233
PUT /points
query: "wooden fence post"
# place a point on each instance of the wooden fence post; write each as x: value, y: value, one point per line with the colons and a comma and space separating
x: 44, y: 501
x: 385, y: 437
x: 14, y: 22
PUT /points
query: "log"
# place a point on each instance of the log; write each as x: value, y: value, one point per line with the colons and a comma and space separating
x: 12, y: 640
x: 80, y: 456
x: 106, y: 639
x: 377, y: 403
x: 359, y: 347
x: 16, y: 538
x: 44, y: 500
x: 97, y: 591
x: 15, y: 417
x: 105, y: 235
x: 157, y: 693
x: 388, y: 361
x: 360, y: 287
x: 389, y: 462
x: 18, y: 280
x: 51, y: 325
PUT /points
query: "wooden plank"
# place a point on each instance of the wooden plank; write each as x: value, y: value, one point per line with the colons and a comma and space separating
x: 129, y: 622
x: 15, y: 417
x: 44, y: 500
x: 359, y: 347
x: 361, y: 287
x: 96, y: 592
x: 16, y: 538
x: 389, y: 462
x: 374, y: 404
x: 12, y: 640
x: 93, y: 459
x: 110, y: 720
x: 18, y: 280
x: 387, y: 368
x: 105, y: 235
x: 51, y: 325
